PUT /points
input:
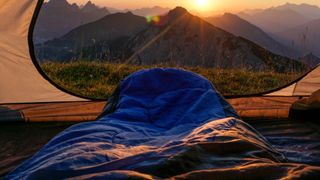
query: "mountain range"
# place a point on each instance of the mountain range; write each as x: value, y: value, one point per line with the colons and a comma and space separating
x: 105, y: 34
x: 274, y: 20
x: 57, y: 17
x: 304, y: 38
x: 295, y: 26
x: 178, y: 39
x: 146, y: 11
x: 240, y: 27
x: 281, y: 18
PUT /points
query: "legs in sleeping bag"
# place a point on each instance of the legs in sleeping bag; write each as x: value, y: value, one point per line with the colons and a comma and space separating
x: 159, y: 123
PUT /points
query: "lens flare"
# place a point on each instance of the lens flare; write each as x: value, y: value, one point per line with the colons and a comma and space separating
x: 157, y: 20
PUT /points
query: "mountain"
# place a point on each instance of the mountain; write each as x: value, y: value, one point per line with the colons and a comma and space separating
x: 146, y: 11
x: 305, y: 38
x: 275, y: 20
x: 110, y: 31
x: 310, y: 11
x: 177, y: 38
x: 57, y: 17
x: 311, y: 60
x: 94, y: 11
x: 156, y: 10
x: 240, y: 27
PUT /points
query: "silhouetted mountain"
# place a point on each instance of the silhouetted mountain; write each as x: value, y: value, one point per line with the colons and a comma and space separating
x: 275, y: 20
x: 240, y: 27
x: 283, y: 17
x: 305, y: 38
x: 311, y: 60
x: 57, y: 17
x: 189, y: 40
x: 146, y: 11
x: 94, y: 10
x: 111, y: 30
x: 156, y: 10
x: 310, y: 11
x: 177, y: 38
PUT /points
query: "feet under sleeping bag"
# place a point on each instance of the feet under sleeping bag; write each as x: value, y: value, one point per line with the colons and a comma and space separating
x: 159, y: 123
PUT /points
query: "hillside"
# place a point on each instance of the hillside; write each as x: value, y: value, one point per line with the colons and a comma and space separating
x: 240, y: 27
x: 99, y: 79
x: 177, y: 38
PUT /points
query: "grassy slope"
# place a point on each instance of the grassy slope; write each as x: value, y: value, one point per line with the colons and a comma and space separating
x: 97, y: 79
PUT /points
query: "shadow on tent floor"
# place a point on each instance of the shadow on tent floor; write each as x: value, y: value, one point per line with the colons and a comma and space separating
x: 298, y: 140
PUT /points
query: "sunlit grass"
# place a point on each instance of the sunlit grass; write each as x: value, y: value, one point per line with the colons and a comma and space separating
x: 99, y: 79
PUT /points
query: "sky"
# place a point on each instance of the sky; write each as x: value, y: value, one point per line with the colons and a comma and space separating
x: 205, y: 7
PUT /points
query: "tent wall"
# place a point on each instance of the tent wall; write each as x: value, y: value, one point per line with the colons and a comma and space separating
x: 51, y: 112
x: 305, y: 86
x: 20, y: 80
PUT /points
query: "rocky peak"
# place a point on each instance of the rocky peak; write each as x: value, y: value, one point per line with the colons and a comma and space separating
x: 58, y: 3
x: 89, y: 7
x: 177, y: 12
x: 230, y: 15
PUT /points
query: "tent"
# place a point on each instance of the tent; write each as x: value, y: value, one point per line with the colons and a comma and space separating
x: 22, y: 79
x: 28, y: 95
x: 150, y: 131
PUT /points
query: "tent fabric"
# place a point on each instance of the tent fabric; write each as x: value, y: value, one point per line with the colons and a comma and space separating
x: 304, y: 87
x: 263, y: 107
x: 52, y: 112
x: 20, y: 81
x: 158, y: 130
x: 183, y: 128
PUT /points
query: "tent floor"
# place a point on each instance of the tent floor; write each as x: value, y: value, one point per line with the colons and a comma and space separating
x: 19, y: 141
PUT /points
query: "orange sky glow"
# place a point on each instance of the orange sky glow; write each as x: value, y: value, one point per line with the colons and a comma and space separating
x: 204, y: 7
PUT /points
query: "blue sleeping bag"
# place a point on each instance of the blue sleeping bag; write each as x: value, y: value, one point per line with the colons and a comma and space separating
x: 159, y: 122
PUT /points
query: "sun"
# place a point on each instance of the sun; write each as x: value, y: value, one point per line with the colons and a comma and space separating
x: 201, y: 4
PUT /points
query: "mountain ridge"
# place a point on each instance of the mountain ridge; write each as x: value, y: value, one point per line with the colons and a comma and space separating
x: 273, y: 20
x: 305, y: 38
x: 240, y: 27
x: 184, y: 39
x: 57, y: 17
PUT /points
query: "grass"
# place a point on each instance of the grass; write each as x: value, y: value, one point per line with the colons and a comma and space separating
x: 99, y: 79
